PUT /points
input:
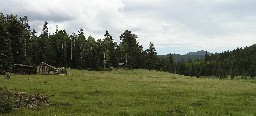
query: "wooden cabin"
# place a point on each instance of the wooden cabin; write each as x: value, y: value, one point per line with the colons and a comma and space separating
x: 24, y: 69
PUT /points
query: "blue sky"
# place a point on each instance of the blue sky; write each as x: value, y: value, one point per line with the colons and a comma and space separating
x: 174, y: 26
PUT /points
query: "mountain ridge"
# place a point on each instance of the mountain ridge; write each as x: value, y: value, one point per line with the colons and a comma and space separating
x: 186, y: 57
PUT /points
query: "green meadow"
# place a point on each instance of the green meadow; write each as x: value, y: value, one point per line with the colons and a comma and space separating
x: 135, y: 92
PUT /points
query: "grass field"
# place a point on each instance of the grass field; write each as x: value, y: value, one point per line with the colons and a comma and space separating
x: 135, y: 92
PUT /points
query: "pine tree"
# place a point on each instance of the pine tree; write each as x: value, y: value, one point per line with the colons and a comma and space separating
x: 43, y: 44
x: 15, y: 29
x: 131, y: 49
x: 109, y: 51
x: 151, y: 60
x: 26, y: 40
x: 5, y: 46
x: 34, y: 49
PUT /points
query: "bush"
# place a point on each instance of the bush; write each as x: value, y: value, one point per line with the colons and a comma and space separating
x: 6, y: 101
x: 12, y: 99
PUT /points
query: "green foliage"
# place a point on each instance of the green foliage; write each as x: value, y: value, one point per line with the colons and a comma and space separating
x: 6, y: 101
x: 10, y: 99
x: 151, y: 57
x: 167, y: 64
x: 17, y: 34
x: 5, y: 46
x: 109, y: 51
x: 239, y: 62
x: 21, y: 46
x: 130, y: 49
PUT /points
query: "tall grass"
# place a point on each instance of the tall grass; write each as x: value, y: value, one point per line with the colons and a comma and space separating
x: 135, y: 92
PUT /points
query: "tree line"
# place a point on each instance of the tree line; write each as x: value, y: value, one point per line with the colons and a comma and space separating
x: 22, y: 45
x: 239, y: 62
x: 19, y: 44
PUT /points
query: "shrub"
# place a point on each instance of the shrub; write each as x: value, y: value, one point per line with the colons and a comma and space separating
x: 6, y: 101
x: 12, y: 99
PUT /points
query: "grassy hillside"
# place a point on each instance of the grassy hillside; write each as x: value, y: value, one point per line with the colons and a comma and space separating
x: 135, y: 92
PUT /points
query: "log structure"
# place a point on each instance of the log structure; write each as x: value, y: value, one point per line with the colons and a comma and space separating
x: 24, y: 69
x: 45, y: 68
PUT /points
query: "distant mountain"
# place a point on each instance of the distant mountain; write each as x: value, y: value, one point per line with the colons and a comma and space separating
x: 199, y: 53
x: 188, y: 56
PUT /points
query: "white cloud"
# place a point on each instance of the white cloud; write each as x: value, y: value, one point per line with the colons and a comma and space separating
x: 173, y: 26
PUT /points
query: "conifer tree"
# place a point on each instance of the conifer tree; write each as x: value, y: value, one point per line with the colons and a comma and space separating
x: 5, y: 46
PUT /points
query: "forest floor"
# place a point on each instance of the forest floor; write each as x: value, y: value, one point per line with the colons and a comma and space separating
x: 135, y: 92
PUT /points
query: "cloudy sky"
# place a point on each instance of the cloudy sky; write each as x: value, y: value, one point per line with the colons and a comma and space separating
x: 174, y: 26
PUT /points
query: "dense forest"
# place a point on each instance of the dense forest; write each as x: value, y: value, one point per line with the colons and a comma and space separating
x: 22, y: 45
x: 239, y: 62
